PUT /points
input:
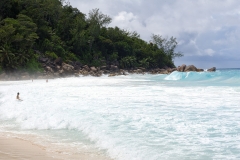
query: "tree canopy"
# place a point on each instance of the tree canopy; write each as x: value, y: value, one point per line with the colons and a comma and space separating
x: 56, y: 29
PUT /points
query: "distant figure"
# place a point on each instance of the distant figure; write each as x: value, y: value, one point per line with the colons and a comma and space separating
x: 18, y: 98
x: 47, y: 80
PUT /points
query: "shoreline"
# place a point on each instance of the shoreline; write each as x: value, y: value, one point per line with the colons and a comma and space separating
x: 15, y: 146
x: 66, y: 70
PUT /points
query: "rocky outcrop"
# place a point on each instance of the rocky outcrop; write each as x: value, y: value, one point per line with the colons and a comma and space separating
x: 43, y: 59
x: 67, y: 68
x: 164, y: 72
x: 93, y: 69
x: 49, y: 69
x: 213, y: 69
x: 57, y: 68
x: 190, y: 68
x: 181, y: 68
x: 103, y: 67
x: 86, y: 68
x: 200, y: 70
x: 76, y: 65
x: 58, y: 61
x: 113, y: 68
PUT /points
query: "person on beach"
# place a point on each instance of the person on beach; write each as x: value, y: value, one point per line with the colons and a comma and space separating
x: 18, y: 98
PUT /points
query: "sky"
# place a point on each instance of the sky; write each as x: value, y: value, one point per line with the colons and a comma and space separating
x: 207, y: 31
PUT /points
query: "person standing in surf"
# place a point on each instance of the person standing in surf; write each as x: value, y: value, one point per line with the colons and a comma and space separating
x: 18, y: 98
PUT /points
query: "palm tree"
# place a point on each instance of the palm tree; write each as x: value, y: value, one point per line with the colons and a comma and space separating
x: 7, y: 58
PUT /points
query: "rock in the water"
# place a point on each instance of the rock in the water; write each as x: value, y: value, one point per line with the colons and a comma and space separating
x: 213, y: 69
x: 190, y: 68
x: 200, y: 70
x: 181, y: 68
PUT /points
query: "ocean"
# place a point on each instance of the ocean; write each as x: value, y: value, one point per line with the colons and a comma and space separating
x: 183, y: 116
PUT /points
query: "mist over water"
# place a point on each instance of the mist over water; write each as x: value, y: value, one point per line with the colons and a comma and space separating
x: 194, y: 115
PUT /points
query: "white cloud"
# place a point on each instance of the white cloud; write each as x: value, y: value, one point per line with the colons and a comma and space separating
x: 124, y: 16
x: 209, y: 51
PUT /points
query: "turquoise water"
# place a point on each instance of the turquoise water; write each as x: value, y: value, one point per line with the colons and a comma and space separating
x: 178, y: 116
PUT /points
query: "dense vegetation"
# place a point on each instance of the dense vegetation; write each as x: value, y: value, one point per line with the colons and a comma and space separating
x: 53, y: 28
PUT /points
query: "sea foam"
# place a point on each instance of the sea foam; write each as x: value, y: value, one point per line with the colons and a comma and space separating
x: 191, y: 115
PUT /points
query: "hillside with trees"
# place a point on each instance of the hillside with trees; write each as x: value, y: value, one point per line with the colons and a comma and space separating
x: 30, y: 29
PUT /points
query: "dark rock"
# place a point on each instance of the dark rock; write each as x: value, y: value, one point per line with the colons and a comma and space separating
x: 115, y: 63
x: 164, y: 72
x: 142, y: 68
x: 103, y: 67
x: 112, y: 74
x: 124, y: 73
x: 113, y: 68
x: 85, y: 67
x: 67, y: 68
x: 43, y: 59
x: 190, y: 68
x: 139, y: 71
x: 77, y: 65
x: 213, y: 69
x: 61, y: 71
x: 170, y: 70
x: 93, y: 69
x: 58, y: 61
x: 106, y: 71
x: 181, y: 68
x: 166, y: 67
x: 85, y: 73
x: 200, y: 70
x: 49, y: 69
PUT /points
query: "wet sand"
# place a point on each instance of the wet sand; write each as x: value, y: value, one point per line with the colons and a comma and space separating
x: 14, y: 148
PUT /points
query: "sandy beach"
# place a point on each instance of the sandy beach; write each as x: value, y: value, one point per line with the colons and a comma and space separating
x: 15, y: 148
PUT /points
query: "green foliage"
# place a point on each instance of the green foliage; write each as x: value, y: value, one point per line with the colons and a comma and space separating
x: 51, y: 55
x: 33, y: 66
x: 57, y: 29
x: 128, y: 62
x: 17, y: 39
x: 145, y: 62
x: 96, y: 63
x: 113, y: 56
x: 87, y: 58
x: 72, y: 57
x: 98, y: 18
x: 167, y: 45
